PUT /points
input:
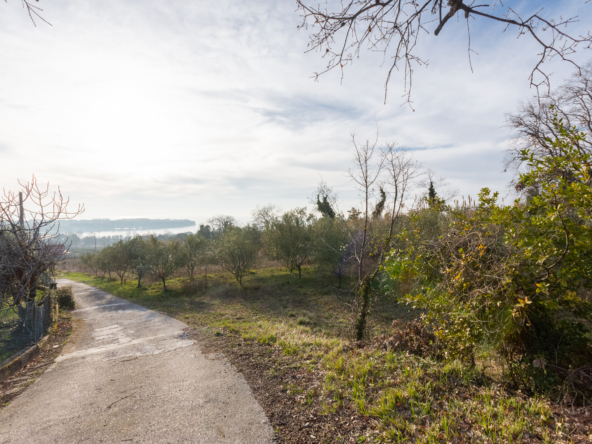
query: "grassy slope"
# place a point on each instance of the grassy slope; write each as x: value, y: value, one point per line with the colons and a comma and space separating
x: 405, y: 398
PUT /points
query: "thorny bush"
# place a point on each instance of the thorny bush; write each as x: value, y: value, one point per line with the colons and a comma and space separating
x: 513, y: 281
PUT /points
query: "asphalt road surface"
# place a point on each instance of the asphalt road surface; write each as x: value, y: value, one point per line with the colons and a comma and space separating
x: 132, y: 375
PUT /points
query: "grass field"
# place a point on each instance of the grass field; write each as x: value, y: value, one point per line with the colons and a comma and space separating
x: 399, y: 397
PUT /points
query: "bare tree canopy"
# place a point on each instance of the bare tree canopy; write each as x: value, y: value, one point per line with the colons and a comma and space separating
x: 342, y: 29
x: 533, y: 123
x: 29, y: 221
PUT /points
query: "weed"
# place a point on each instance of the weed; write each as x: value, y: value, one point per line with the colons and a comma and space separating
x: 303, y: 321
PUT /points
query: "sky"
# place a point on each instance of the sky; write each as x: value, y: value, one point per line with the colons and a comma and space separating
x: 192, y: 109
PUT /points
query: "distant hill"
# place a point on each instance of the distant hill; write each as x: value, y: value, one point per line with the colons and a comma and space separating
x: 80, y: 226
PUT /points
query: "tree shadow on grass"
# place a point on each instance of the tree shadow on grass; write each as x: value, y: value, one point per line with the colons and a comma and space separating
x: 313, y: 301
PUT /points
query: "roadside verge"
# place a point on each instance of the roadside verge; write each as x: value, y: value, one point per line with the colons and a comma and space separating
x: 21, y: 371
x: 14, y: 364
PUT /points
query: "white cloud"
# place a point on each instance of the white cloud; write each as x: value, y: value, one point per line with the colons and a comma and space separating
x: 178, y: 109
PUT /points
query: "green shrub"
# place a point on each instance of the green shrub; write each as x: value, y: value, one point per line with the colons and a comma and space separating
x: 65, y: 298
x: 508, y: 279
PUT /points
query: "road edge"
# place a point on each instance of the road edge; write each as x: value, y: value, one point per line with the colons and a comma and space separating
x: 16, y: 364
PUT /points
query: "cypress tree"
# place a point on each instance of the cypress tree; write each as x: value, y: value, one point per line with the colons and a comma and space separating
x: 432, y: 196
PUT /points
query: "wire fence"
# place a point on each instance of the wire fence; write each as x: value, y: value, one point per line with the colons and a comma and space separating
x: 24, y: 324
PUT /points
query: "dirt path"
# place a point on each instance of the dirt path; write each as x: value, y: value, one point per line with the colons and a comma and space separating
x: 133, y: 375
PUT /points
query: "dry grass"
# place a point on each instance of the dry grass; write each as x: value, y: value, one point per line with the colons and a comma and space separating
x: 401, y: 397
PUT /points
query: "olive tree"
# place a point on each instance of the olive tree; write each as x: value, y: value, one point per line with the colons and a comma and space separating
x: 209, y: 258
x: 103, y: 261
x: 89, y: 260
x: 139, y: 252
x: 330, y: 246
x: 106, y: 260
x: 121, y: 259
x: 195, y: 246
x: 166, y: 258
x: 237, y: 249
x: 288, y: 239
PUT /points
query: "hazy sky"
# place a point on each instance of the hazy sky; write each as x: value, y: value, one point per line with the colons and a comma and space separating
x: 171, y: 109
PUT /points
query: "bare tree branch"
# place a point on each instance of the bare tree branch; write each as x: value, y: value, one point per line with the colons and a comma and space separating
x: 342, y: 30
x: 533, y: 122
x: 33, y: 11
x: 26, y: 248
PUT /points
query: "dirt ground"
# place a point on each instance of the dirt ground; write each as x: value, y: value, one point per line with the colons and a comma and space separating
x: 268, y: 373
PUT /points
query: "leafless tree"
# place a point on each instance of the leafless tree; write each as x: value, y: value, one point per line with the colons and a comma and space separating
x: 221, y: 223
x: 365, y: 175
x: 533, y: 123
x: 342, y: 29
x: 403, y: 171
x: 264, y: 216
x: 29, y: 221
x: 395, y: 172
x: 33, y: 11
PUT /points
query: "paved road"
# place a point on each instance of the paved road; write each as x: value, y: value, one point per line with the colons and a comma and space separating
x: 129, y: 374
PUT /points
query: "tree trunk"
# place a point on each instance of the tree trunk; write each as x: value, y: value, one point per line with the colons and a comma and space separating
x: 139, y: 281
x: 206, y: 277
x: 46, y: 312
x: 339, y: 280
x: 364, y: 302
x: 299, y: 272
x: 163, y: 285
x: 32, y: 311
x: 33, y: 291
x: 191, y: 279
